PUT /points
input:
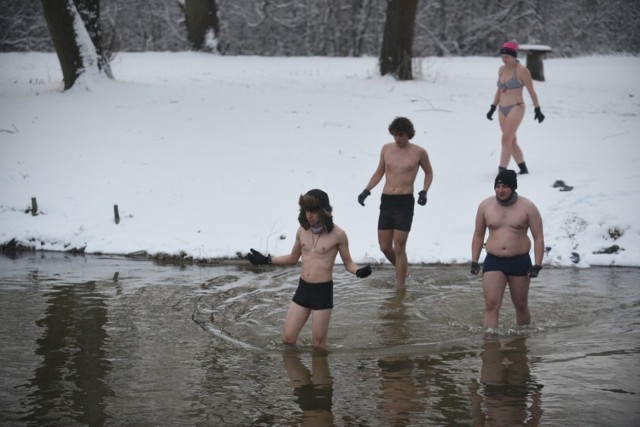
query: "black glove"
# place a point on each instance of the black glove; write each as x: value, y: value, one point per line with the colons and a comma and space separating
x: 538, y: 115
x: 257, y: 258
x: 491, y: 111
x: 363, y: 272
x: 534, y: 271
x: 475, y: 268
x: 366, y: 193
x: 422, y: 198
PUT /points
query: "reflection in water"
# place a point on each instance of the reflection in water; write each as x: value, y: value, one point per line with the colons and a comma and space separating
x: 200, y: 346
x: 400, y: 401
x: 508, y: 394
x: 70, y: 383
x: 313, y: 389
x: 399, y: 398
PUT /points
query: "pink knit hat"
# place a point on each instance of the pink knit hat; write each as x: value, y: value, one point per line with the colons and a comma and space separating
x: 510, y: 48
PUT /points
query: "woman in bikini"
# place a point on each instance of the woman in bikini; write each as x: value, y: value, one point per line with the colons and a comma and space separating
x: 512, y: 77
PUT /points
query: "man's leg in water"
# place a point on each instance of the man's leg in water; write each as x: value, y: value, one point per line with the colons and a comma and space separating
x: 393, y: 245
x: 400, y: 250
x: 385, y: 239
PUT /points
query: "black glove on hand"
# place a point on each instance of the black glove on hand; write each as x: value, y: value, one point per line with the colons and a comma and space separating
x: 422, y: 198
x: 475, y: 268
x: 366, y: 193
x: 363, y: 272
x: 538, y: 115
x: 491, y: 111
x: 257, y: 258
x: 534, y: 271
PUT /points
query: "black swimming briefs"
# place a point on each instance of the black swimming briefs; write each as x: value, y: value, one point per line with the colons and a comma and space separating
x: 518, y: 265
x: 396, y: 212
x: 316, y: 296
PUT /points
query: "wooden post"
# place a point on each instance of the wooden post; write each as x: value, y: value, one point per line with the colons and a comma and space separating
x: 535, y: 54
x: 535, y: 65
x: 116, y: 214
x: 34, y: 206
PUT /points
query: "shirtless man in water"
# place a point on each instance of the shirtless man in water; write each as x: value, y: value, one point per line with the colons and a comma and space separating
x: 508, y: 218
x: 399, y: 162
x: 318, y: 241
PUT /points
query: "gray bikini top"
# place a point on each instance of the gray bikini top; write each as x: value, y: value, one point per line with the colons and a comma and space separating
x: 511, y: 83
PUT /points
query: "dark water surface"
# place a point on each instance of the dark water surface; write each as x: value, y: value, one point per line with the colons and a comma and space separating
x: 110, y: 341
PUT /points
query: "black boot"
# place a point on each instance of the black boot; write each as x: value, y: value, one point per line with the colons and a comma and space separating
x: 523, y: 168
x: 500, y: 169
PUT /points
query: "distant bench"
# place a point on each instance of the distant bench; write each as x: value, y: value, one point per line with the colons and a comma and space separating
x: 535, y: 53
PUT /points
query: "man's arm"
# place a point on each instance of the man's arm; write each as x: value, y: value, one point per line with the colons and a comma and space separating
x: 294, y: 256
x: 378, y: 174
x: 345, y: 254
x: 535, y: 225
x: 478, y: 234
x: 428, y: 171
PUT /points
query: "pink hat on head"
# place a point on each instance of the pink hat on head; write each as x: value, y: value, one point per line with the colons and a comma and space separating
x: 510, y: 48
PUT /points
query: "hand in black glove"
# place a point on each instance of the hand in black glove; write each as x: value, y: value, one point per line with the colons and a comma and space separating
x: 257, y: 258
x: 366, y: 193
x: 422, y: 198
x: 491, y: 111
x: 363, y: 272
x: 534, y: 271
x: 538, y: 115
x: 475, y: 268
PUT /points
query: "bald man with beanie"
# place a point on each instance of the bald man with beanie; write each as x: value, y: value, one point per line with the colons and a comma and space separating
x: 508, y: 217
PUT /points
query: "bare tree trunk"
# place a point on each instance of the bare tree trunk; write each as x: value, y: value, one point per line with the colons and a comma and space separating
x: 89, y: 11
x: 60, y: 15
x: 75, y: 29
x: 397, y: 42
x: 202, y: 25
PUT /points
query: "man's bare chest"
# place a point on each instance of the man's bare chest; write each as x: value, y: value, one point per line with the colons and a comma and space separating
x: 501, y: 217
x: 402, y: 162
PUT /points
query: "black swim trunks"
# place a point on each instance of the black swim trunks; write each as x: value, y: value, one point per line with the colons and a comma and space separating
x: 396, y: 212
x: 518, y: 265
x: 316, y: 296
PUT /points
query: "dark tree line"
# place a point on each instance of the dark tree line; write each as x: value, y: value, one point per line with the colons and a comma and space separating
x: 347, y: 27
x: 393, y: 30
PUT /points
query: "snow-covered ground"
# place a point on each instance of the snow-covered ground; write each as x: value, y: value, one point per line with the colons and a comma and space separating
x: 207, y: 155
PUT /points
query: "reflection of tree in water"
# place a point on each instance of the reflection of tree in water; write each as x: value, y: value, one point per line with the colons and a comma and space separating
x: 508, y: 394
x: 313, y: 389
x: 70, y: 383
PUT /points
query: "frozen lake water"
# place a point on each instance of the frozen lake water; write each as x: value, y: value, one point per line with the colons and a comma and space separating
x: 96, y: 340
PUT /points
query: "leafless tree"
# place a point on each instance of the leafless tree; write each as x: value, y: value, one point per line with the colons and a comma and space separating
x: 397, y: 43
x: 22, y: 27
x: 202, y: 24
x: 75, y: 30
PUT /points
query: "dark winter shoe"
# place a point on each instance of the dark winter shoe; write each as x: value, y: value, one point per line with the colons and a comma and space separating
x: 523, y: 168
